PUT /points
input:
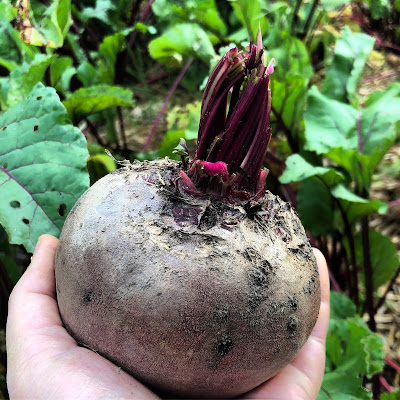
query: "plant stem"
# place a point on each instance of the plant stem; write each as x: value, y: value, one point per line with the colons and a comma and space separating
x: 165, y: 104
x: 294, y: 146
x: 95, y: 133
x: 132, y: 37
x: 82, y: 43
x: 368, y: 272
x: 388, y: 289
x: 334, y: 283
x: 393, y: 364
x: 385, y: 384
x: 294, y: 17
x: 353, y: 277
x: 376, y: 387
x: 122, y: 131
x: 394, y: 203
x: 309, y: 19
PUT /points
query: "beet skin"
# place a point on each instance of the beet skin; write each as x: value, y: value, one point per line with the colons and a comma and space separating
x: 195, y: 298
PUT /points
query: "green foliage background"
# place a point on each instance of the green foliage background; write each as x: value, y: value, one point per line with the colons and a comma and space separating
x: 69, y: 83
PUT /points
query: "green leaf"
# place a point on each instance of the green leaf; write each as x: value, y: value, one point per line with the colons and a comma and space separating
x: 290, y: 54
x: 61, y: 73
x: 356, y: 206
x: 22, y: 80
x: 108, y: 52
x: 87, y: 101
x: 288, y: 100
x: 376, y: 8
x: 298, y: 169
x: 13, y: 51
x: 341, y: 306
x: 251, y: 14
x: 344, y: 72
x: 182, y: 41
x: 355, y: 140
x: 204, y: 12
x: 53, y: 27
x: 391, y: 396
x: 384, y: 260
x: 373, y: 347
x: 169, y: 143
x: 7, y: 257
x: 100, y: 11
x: 99, y: 165
x: 42, y: 167
x: 352, y: 352
x: 329, y: 124
x: 342, y: 386
x: 87, y: 74
x: 331, y: 5
x: 315, y: 207
x: 379, y: 122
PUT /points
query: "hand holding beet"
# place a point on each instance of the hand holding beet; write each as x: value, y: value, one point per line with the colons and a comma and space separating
x: 191, y: 276
x: 45, y: 362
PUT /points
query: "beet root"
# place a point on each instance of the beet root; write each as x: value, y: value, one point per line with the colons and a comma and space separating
x: 195, y: 298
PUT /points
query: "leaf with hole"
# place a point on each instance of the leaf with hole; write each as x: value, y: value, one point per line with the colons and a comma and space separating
x: 42, y: 167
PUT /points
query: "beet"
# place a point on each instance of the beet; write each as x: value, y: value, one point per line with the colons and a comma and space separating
x: 191, y: 276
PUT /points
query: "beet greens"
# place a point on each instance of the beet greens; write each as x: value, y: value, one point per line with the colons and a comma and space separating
x: 232, y: 141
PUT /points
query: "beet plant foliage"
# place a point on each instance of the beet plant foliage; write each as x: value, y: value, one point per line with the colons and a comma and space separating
x: 73, y: 80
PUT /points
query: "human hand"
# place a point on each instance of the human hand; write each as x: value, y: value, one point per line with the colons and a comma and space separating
x: 44, y: 361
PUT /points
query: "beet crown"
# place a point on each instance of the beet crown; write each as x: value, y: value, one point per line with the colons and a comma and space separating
x: 232, y: 142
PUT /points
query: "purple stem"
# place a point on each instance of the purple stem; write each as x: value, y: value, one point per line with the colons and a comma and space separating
x: 334, y: 283
x: 368, y: 272
x: 394, y: 203
x: 205, y: 139
x: 165, y: 104
x: 385, y: 384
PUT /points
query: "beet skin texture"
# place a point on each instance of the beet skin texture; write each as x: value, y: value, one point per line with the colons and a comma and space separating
x: 196, y: 298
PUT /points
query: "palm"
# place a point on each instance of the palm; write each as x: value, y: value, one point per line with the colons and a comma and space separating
x: 46, y: 362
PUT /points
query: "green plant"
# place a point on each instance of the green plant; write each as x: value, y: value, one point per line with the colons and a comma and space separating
x: 103, y: 58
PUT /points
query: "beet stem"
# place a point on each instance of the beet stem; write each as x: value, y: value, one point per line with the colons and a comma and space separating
x: 239, y: 139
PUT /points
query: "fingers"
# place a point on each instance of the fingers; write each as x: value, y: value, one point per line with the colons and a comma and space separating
x: 321, y: 327
x: 39, y: 277
x: 32, y: 308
